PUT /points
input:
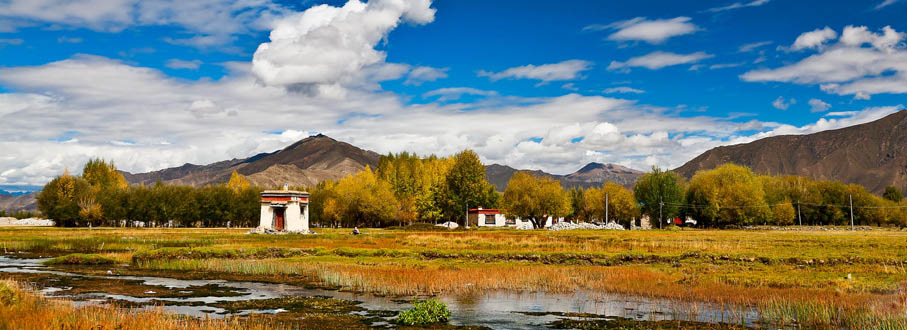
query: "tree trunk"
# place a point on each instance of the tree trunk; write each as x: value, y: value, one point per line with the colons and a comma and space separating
x: 535, y: 222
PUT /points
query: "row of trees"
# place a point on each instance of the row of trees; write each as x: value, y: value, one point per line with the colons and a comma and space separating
x: 101, y: 197
x: 726, y: 196
x: 405, y: 189
x: 734, y: 195
x: 18, y: 214
x: 537, y: 198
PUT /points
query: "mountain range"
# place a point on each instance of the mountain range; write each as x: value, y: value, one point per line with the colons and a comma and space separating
x: 19, y: 202
x: 304, y: 163
x: 591, y: 175
x: 873, y: 154
x: 318, y: 158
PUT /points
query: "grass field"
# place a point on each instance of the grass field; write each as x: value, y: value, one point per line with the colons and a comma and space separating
x: 816, y: 278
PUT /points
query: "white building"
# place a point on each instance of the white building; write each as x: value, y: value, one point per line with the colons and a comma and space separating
x: 487, y: 218
x: 285, y: 210
x: 480, y: 217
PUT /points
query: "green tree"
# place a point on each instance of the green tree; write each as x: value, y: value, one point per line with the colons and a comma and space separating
x: 577, y: 204
x: 660, y: 193
x: 826, y: 204
x: 535, y: 199
x: 728, y: 195
x: 621, y: 205
x: 97, y: 205
x: 783, y: 213
x: 59, y: 199
x: 467, y: 186
x: 866, y: 209
x: 898, y: 216
x: 89, y: 208
x: 892, y: 194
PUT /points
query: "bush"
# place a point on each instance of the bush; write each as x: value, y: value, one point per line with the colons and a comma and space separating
x: 80, y: 259
x: 424, y: 312
x: 8, y: 293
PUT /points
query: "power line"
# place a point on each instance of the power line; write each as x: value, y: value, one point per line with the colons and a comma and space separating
x: 788, y: 203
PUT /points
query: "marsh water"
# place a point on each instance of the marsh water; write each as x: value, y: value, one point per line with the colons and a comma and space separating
x: 496, y: 309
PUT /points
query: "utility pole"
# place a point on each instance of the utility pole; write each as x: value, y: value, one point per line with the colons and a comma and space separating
x: 467, y: 215
x: 851, y: 212
x: 798, y: 213
x: 660, y: 204
x: 606, y: 208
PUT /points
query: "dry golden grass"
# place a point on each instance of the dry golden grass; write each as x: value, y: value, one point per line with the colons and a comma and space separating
x: 395, y: 278
x: 778, y: 271
x: 21, y: 308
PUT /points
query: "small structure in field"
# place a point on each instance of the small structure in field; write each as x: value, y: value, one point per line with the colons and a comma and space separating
x: 643, y: 223
x: 487, y: 218
x: 284, y: 211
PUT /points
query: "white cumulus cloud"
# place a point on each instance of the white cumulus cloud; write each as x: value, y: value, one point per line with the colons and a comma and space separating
x: 326, y: 45
x: 209, y: 22
x: 738, y: 5
x: 176, y: 63
x: 566, y: 70
x: 659, y: 59
x: 421, y: 74
x: 452, y: 93
x: 781, y: 104
x: 817, y: 105
x: 652, y: 31
x: 814, y: 39
x: 623, y: 90
x: 862, y: 63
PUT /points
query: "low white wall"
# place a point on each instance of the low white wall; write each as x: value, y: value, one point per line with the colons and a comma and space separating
x: 267, y: 216
x: 297, y: 219
x: 499, y: 220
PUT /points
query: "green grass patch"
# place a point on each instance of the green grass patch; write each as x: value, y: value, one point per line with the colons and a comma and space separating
x: 80, y: 259
x: 220, y: 253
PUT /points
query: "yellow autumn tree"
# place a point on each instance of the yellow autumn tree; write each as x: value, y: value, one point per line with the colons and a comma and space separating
x: 238, y: 182
x: 103, y: 175
x: 729, y: 194
x: 535, y: 198
x: 621, y: 204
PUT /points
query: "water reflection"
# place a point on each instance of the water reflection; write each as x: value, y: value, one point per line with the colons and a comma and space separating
x: 496, y: 309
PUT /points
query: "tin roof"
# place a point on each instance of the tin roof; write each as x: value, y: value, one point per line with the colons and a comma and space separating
x: 284, y: 193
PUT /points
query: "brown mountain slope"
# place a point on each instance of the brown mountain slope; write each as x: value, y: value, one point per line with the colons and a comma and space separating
x: 304, y: 163
x: 873, y: 154
x: 595, y: 174
x: 591, y: 175
x: 499, y: 175
x: 21, y: 202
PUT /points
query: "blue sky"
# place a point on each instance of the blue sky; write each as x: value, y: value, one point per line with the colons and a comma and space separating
x: 550, y: 85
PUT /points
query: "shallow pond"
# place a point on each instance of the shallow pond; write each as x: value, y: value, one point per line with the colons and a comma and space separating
x: 497, y: 309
